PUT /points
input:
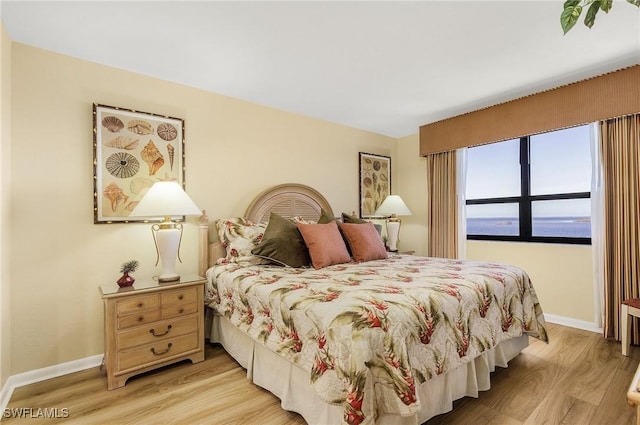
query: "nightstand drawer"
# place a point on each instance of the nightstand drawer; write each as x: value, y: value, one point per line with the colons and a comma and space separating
x: 138, y: 319
x: 182, y: 296
x: 156, y: 352
x: 178, y: 310
x: 132, y: 305
x: 157, y: 331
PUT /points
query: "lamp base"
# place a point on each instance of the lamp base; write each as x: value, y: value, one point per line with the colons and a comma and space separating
x: 393, y: 231
x: 168, y: 238
x: 169, y: 278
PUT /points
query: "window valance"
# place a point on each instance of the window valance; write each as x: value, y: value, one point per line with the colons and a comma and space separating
x: 610, y: 95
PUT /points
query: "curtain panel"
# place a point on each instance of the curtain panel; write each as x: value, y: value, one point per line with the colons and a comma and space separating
x: 442, y: 220
x: 620, y: 150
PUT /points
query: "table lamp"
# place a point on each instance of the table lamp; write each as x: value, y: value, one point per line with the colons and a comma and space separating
x: 166, y: 199
x: 392, y: 207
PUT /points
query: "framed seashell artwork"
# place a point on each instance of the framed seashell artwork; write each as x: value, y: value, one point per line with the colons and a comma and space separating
x: 375, y: 182
x: 131, y: 151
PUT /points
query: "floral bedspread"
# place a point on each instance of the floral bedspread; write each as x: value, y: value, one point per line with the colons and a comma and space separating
x: 369, y: 333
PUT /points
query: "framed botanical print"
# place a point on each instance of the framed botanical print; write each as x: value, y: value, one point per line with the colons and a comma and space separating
x: 132, y: 150
x: 375, y: 182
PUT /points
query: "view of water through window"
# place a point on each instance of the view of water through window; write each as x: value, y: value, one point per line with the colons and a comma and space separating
x: 572, y: 227
x: 558, y: 181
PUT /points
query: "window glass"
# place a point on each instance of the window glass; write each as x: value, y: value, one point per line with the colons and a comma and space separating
x: 493, y: 170
x: 568, y: 218
x: 493, y: 219
x: 546, y: 178
x: 561, y: 161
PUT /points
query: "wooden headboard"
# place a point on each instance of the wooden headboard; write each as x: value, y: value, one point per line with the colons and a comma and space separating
x: 287, y: 200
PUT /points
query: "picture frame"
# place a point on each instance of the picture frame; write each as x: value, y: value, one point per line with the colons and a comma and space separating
x: 131, y: 151
x: 374, y: 182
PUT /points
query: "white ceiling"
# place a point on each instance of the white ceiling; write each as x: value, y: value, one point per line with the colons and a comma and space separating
x: 387, y: 67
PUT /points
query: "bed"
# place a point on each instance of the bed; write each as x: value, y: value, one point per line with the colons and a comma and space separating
x: 380, y: 341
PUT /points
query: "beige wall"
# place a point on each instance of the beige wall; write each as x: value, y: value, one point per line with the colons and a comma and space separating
x: 411, y: 170
x: 5, y: 235
x: 234, y: 150
x: 561, y: 274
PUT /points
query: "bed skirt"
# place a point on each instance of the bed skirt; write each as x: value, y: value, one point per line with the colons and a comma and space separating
x: 290, y: 383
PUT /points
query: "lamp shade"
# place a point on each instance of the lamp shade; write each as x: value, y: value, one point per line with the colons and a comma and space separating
x: 393, y: 205
x: 165, y: 199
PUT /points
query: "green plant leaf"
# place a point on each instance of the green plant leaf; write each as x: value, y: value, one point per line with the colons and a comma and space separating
x: 570, y: 15
x: 606, y: 5
x: 590, y: 17
x: 129, y: 266
x: 634, y: 2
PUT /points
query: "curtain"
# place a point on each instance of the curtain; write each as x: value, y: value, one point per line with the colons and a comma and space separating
x: 597, y: 224
x: 442, y: 210
x: 461, y: 188
x: 620, y: 148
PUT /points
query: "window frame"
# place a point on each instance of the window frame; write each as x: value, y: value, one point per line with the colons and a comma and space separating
x: 524, y: 202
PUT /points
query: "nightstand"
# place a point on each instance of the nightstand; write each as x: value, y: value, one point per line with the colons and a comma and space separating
x: 150, y: 325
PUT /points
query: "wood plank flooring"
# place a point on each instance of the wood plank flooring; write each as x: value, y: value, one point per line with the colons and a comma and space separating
x: 579, y: 378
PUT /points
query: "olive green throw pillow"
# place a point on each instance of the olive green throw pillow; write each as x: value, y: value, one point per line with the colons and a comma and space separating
x: 325, y: 217
x: 352, y: 219
x: 282, y: 243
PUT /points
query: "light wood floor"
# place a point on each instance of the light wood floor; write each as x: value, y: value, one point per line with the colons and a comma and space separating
x: 579, y: 378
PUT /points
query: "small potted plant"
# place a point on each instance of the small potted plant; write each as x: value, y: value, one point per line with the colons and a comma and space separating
x: 126, y: 268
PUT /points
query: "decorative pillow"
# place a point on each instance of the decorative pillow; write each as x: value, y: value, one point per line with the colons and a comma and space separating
x: 325, y: 217
x: 325, y: 244
x: 299, y: 219
x: 239, y: 236
x: 364, y: 241
x: 348, y: 218
x: 282, y: 243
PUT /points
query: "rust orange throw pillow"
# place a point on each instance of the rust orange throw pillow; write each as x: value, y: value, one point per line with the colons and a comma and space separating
x: 364, y: 241
x: 325, y: 244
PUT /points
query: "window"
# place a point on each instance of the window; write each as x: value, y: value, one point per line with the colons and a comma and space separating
x: 532, y: 189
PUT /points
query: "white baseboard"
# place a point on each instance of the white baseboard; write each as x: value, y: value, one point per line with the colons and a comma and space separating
x: 54, y: 371
x: 572, y: 323
x: 26, y: 378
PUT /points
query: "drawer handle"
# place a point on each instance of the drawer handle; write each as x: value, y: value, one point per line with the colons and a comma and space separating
x: 140, y: 305
x: 181, y: 311
x: 153, y: 331
x: 159, y: 353
x: 180, y: 297
x: 141, y: 319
